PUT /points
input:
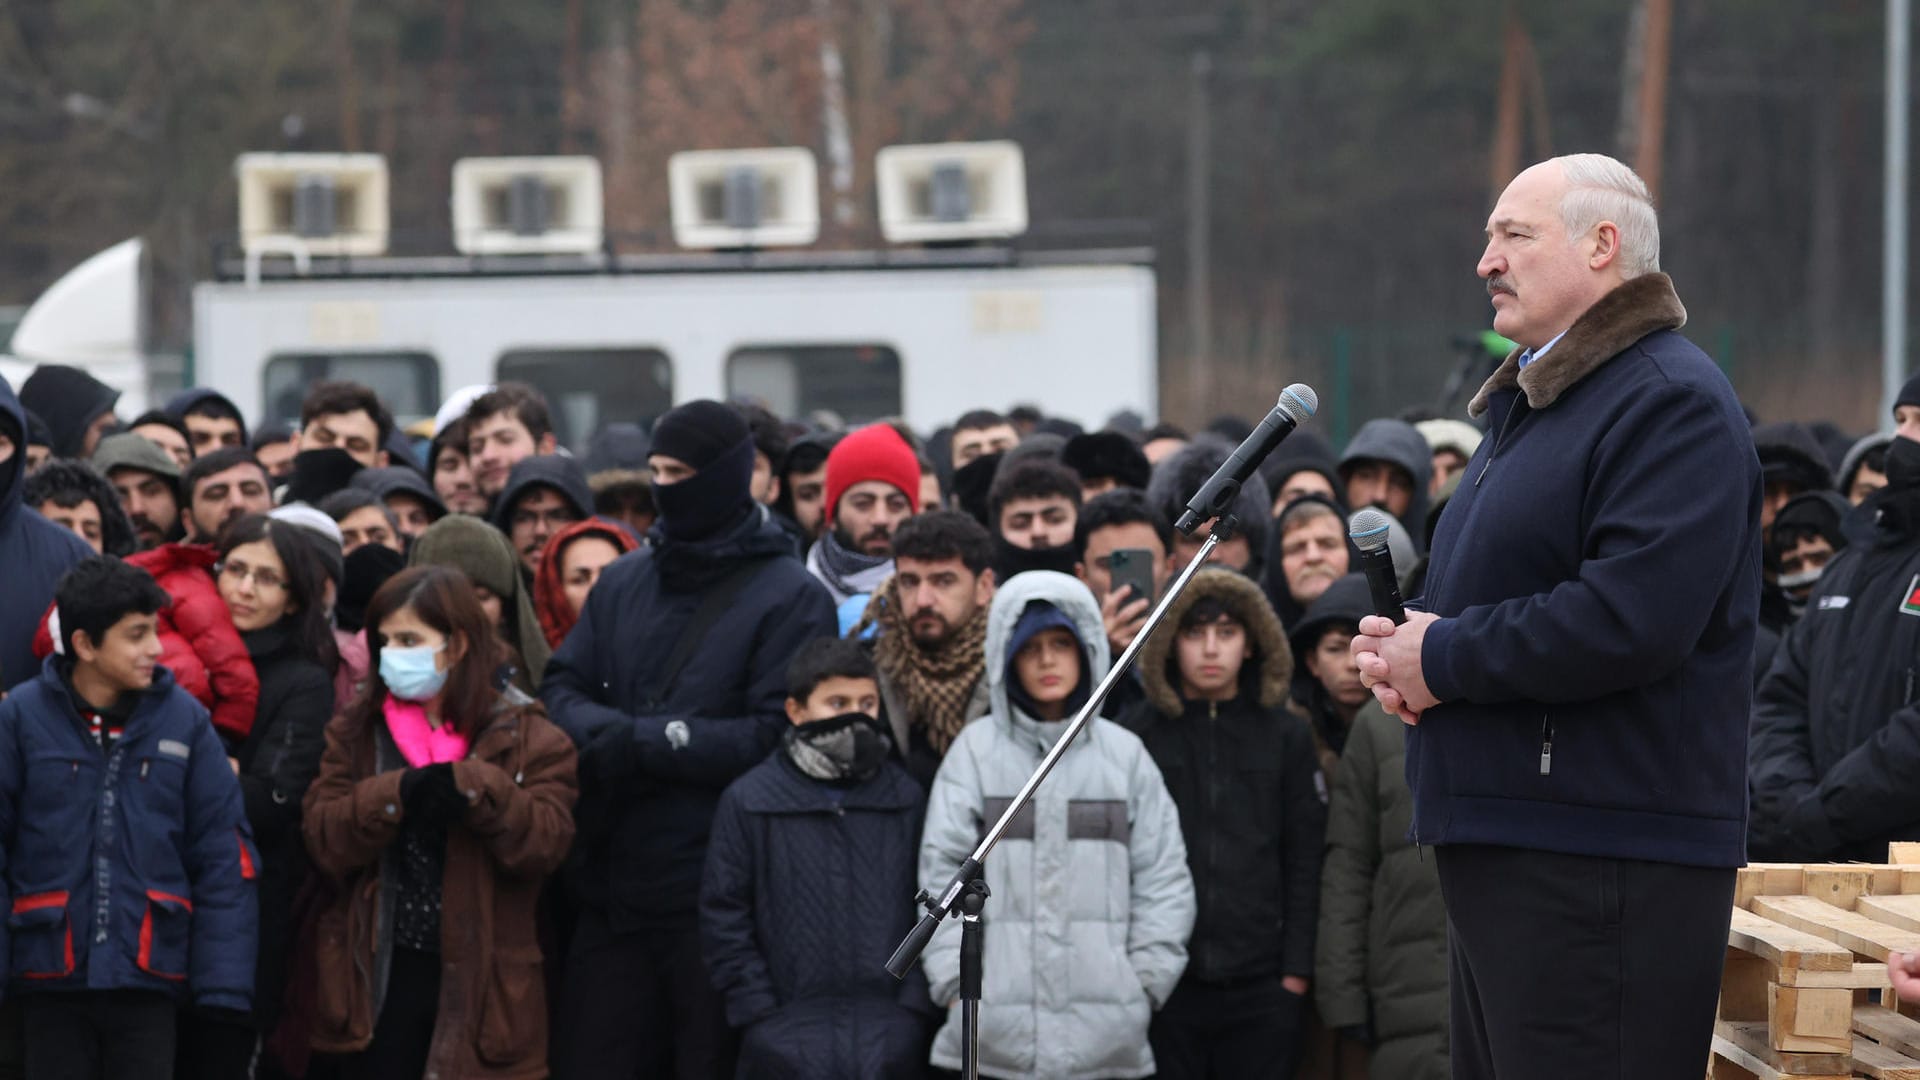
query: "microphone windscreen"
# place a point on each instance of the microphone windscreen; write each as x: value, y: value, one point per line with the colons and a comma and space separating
x: 1299, y: 402
x: 1368, y: 530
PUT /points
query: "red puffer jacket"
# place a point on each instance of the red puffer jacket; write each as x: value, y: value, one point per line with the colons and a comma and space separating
x: 198, y: 641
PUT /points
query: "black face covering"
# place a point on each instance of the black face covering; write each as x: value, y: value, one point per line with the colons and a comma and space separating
x: 1010, y: 559
x: 846, y: 749
x: 711, y: 500
x: 1903, y: 464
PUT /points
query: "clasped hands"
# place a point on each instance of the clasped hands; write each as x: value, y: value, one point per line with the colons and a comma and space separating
x: 1388, y: 657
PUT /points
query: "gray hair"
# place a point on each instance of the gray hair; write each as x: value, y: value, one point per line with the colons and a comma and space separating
x: 1600, y: 188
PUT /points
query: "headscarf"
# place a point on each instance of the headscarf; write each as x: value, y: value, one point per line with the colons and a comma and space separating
x: 478, y: 550
x: 549, y: 585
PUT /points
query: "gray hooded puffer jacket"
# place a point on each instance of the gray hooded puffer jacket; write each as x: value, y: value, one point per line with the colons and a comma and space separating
x: 1092, y: 904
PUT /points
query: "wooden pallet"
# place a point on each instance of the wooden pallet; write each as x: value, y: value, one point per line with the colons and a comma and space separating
x: 1806, y: 958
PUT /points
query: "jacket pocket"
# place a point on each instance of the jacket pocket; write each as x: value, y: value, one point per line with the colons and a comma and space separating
x: 164, y: 933
x: 513, y: 1010
x: 42, y: 936
x: 343, y: 1008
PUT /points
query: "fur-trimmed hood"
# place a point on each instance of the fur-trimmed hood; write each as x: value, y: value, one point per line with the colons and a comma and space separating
x: 1628, y: 313
x: 1263, y: 630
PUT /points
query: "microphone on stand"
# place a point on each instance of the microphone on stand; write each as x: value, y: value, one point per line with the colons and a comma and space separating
x: 1297, y: 404
x: 1368, y: 531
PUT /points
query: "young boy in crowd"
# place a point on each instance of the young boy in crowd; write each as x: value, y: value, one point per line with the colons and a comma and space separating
x: 129, y: 869
x: 1086, y: 928
x: 1241, y: 768
x: 809, y: 877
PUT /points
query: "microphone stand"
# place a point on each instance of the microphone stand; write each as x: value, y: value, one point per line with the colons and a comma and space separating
x: 968, y: 889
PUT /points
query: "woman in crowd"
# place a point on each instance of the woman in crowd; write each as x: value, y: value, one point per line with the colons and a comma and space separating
x: 481, y: 552
x: 569, y: 567
x: 442, y: 804
x: 273, y: 578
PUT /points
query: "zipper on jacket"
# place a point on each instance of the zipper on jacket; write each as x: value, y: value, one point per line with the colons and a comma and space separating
x: 1546, y: 745
x: 1500, y: 437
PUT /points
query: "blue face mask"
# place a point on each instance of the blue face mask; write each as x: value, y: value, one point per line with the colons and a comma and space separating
x: 410, y: 674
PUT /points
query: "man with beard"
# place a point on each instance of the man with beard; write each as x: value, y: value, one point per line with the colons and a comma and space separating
x: 1388, y: 465
x: 1034, y: 506
x: 673, y: 683
x: 224, y: 485
x: 505, y: 426
x: 873, y: 485
x: 932, y: 620
x: 1836, y: 733
x: 147, y: 480
x: 803, y: 484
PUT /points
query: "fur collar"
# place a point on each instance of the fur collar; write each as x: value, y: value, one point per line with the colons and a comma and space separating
x: 1263, y: 630
x: 1635, y: 309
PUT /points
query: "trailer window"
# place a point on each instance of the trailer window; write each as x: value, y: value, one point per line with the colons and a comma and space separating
x: 409, y: 382
x: 587, y: 389
x: 859, y: 382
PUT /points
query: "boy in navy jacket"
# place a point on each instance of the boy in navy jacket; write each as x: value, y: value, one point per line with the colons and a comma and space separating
x: 128, y: 866
x: 812, y: 853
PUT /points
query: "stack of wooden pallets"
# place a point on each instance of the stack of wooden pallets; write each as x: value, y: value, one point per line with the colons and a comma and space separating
x: 1805, y: 957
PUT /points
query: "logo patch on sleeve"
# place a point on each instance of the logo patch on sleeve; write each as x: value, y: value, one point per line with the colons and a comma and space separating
x: 1911, y: 604
x: 175, y: 748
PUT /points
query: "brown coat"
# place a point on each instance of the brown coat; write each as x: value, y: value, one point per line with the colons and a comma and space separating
x: 519, y: 778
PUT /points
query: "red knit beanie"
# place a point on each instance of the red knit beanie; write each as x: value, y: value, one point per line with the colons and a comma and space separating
x: 875, y: 452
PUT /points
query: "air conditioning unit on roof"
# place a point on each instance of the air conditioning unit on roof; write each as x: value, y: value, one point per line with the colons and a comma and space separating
x: 943, y: 192
x: 526, y: 205
x: 324, y: 204
x: 745, y: 198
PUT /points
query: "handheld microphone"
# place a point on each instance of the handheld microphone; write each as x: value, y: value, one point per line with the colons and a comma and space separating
x: 1368, y: 531
x: 1297, y: 404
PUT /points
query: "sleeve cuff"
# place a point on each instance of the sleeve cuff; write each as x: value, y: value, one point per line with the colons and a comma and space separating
x: 1436, y: 655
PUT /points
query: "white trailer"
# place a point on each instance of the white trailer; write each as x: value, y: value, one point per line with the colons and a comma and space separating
x: 923, y: 335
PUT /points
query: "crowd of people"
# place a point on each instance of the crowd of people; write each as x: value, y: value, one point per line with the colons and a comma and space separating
x: 329, y: 752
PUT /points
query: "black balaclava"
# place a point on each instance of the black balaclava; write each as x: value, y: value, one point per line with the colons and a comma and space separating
x: 711, y: 501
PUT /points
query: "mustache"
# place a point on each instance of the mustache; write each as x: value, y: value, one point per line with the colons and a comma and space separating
x: 1499, y: 284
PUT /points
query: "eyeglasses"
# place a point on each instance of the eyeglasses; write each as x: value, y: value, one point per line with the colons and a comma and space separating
x: 263, y: 579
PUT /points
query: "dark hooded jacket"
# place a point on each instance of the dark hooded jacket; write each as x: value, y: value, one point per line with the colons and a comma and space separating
x: 1242, y: 774
x: 117, y: 537
x: 178, y: 404
x: 1279, y: 593
x: 69, y: 400
x: 1836, y: 732
x: 1850, y: 465
x: 1788, y: 452
x: 800, y: 909
x: 1397, y: 443
x: 562, y: 474
x: 1345, y: 603
x: 34, y: 551
x: 657, y: 748
x: 400, y: 480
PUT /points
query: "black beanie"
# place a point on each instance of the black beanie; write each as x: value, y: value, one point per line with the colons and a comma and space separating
x: 365, y: 571
x: 1909, y: 394
x: 699, y: 432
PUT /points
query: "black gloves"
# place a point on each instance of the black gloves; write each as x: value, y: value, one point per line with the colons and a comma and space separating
x: 430, y: 794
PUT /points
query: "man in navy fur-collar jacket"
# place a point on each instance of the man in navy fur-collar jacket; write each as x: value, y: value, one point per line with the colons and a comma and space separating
x: 1577, y: 687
